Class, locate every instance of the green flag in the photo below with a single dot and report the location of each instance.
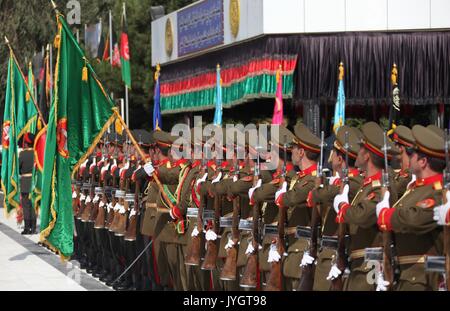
(125, 51)
(10, 156)
(26, 110)
(81, 112)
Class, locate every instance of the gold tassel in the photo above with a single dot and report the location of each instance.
(27, 97)
(57, 41)
(39, 124)
(118, 126)
(84, 76)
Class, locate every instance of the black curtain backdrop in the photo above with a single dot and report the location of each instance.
(422, 58)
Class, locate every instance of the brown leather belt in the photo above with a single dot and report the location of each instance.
(412, 259)
(356, 254)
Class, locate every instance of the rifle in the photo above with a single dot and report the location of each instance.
(230, 267)
(101, 215)
(86, 216)
(387, 256)
(275, 280)
(249, 278)
(337, 284)
(212, 249)
(84, 188)
(307, 279)
(129, 198)
(111, 213)
(130, 235)
(193, 253)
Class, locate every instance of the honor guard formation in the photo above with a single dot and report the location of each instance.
(348, 222)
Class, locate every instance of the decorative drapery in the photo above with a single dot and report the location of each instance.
(310, 70)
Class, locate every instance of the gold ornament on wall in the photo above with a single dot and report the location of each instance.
(235, 17)
(169, 38)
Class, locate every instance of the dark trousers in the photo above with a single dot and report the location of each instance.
(29, 214)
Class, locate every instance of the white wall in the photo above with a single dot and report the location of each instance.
(260, 17)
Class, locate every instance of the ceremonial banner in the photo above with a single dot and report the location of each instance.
(219, 108)
(157, 123)
(339, 112)
(80, 114)
(10, 156)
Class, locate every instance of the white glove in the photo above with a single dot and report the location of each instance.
(117, 207)
(307, 260)
(101, 204)
(114, 164)
(105, 168)
(230, 244)
(334, 178)
(149, 169)
(122, 209)
(341, 198)
(384, 203)
(109, 207)
(413, 180)
(235, 178)
(274, 256)
(381, 283)
(126, 167)
(88, 199)
(201, 180)
(83, 165)
(133, 213)
(281, 191)
(210, 235)
(334, 273)
(252, 190)
(217, 179)
(250, 249)
(441, 211)
(94, 163)
(96, 199)
(82, 197)
(74, 195)
(195, 232)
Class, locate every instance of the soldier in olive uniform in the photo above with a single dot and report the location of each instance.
(324, 196)
(411, 217)
(305, 154)
(360, 214)
(264, 196)
(26, 162)
(404, 141)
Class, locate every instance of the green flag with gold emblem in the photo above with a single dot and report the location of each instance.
(80, 114)
(14, 96)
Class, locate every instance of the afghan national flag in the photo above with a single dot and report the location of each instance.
(125, 52)
(277, 118)
(80, 114)
(157, 123)
(10, 154)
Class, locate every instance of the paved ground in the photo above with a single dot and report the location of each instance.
(26, 266)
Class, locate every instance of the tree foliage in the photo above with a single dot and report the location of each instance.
(30, 25)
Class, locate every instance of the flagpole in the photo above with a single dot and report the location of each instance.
(143, 156)
(110, 39)
(28, 87)
(126, 105)
(50, 55)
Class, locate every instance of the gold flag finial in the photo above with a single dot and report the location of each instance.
(158, 71)
(394, 74)
(218, 66)
(54, 5)
(6, 40)
(341, 71)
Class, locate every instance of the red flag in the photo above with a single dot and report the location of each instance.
(278, 110)
(39, 149)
